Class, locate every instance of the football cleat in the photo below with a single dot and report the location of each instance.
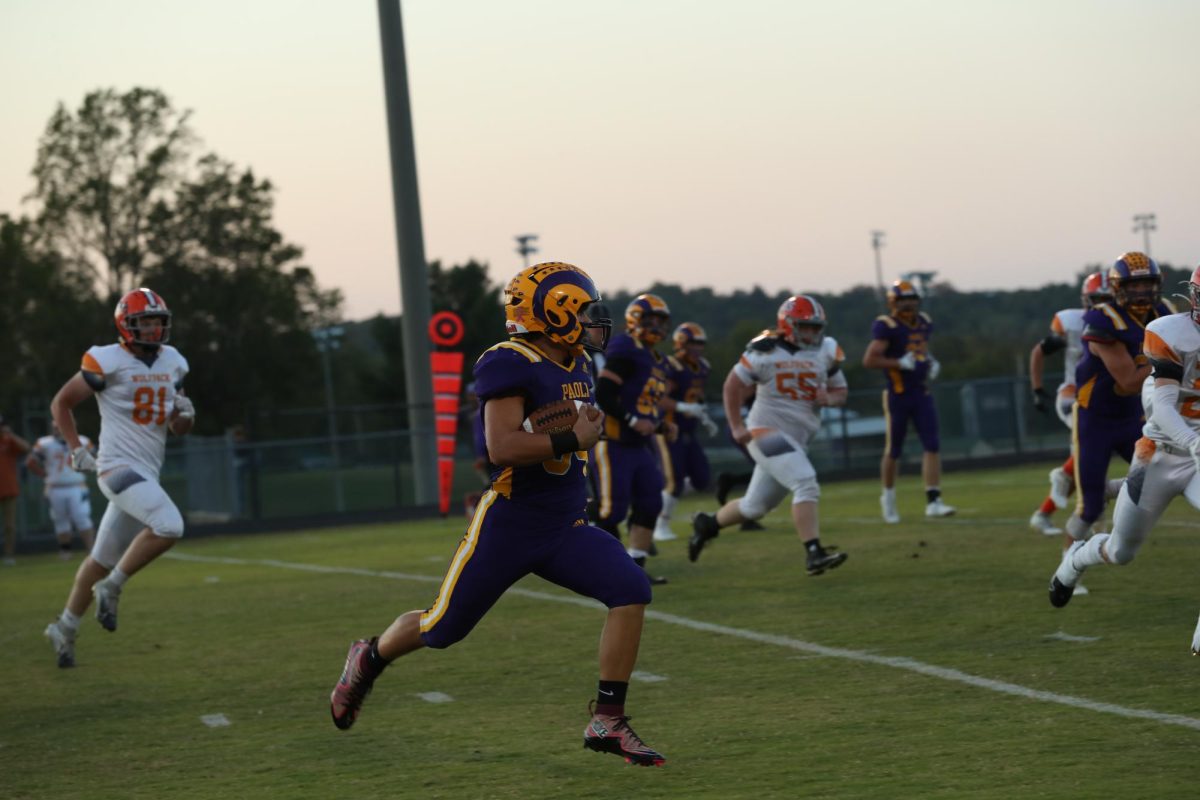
(704, 530)
(63, 640)
(1060, 487)
(107, 596)
(1196, 640)
(1065, 578)
(888, 505)
(938, 509)
(821, 560)
(608, 734)
(663, 532)
(1042, 524)
(752, 525)
(353, 686)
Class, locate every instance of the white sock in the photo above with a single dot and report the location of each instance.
(117, 578)
(636, 553)
(889, 493)
(69, 620)
(1089, 554)
(669, 501)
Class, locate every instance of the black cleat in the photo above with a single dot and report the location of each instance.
(821, 560)
(752, 525)
(654, 580)
(1060, 593)
(704, 530)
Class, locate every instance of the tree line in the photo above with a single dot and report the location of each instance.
(125, 196)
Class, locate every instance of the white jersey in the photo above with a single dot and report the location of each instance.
(1068, 324)
(1173, 345)
(136, 399)
(788, 378)
(56, 460)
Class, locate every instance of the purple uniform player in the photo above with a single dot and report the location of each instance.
(630, 392)
(532, 519)
(1108, 380)
(684, 459)
(900, 347)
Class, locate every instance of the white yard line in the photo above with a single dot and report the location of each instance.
(798, 645)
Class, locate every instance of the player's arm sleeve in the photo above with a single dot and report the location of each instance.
(608, 391)
(1164, 361)
(1053, 343)
(500, 373)
(745, 369)
(1165, 414)
(1098, 326)
(92, 372)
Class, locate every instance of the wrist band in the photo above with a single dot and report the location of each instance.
(563, 443)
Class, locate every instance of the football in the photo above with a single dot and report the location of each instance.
(558, 417)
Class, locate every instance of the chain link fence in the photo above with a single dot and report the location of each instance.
(228, 483)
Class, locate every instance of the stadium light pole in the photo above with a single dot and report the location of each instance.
(877, 245)
(410, 245)
(1144, 223)
(328, 340)
(525, 246)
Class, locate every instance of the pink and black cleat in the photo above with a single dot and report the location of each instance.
(610, 734)
(353, 687)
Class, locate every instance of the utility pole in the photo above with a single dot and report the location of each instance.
(1144, 223)
(525, 246)
(877, 245)
(410, 244)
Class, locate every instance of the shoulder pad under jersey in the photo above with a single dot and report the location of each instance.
(765, 342)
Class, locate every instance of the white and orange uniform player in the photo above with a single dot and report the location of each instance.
(1166, 461)
(137, 385)
(1066, 334)
(794, 369)
(66, 490)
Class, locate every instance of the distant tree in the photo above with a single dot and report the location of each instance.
(122, 200)
(245, 309)
(47, 317)
(101, 173)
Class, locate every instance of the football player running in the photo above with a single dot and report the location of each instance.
(1066, 336)
(684, 458)
(795, 370)
(900, 346)
(1108, 408)
(1165, 459)
(531, 520)
(66, 490)
(137, 383)
(630, 392)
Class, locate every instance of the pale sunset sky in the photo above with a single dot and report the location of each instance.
(725, 144)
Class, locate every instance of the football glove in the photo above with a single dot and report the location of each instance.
(82, 460)
(184, 407)
(690, 409)
(1041, 400)
(935, 368)
(908, 361)
(710, 427)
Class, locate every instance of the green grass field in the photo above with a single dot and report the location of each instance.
(926, 667)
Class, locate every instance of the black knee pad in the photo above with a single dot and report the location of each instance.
(644, 519)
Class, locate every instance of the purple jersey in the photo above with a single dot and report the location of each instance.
(643, 386)
(687, 380)
(903, 338)
(1096, 390)
(518, 368)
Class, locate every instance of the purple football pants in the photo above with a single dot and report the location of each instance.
(507, 541)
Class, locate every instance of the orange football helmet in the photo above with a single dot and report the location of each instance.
(801, 321)
(136, 306)
(1095, 290)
